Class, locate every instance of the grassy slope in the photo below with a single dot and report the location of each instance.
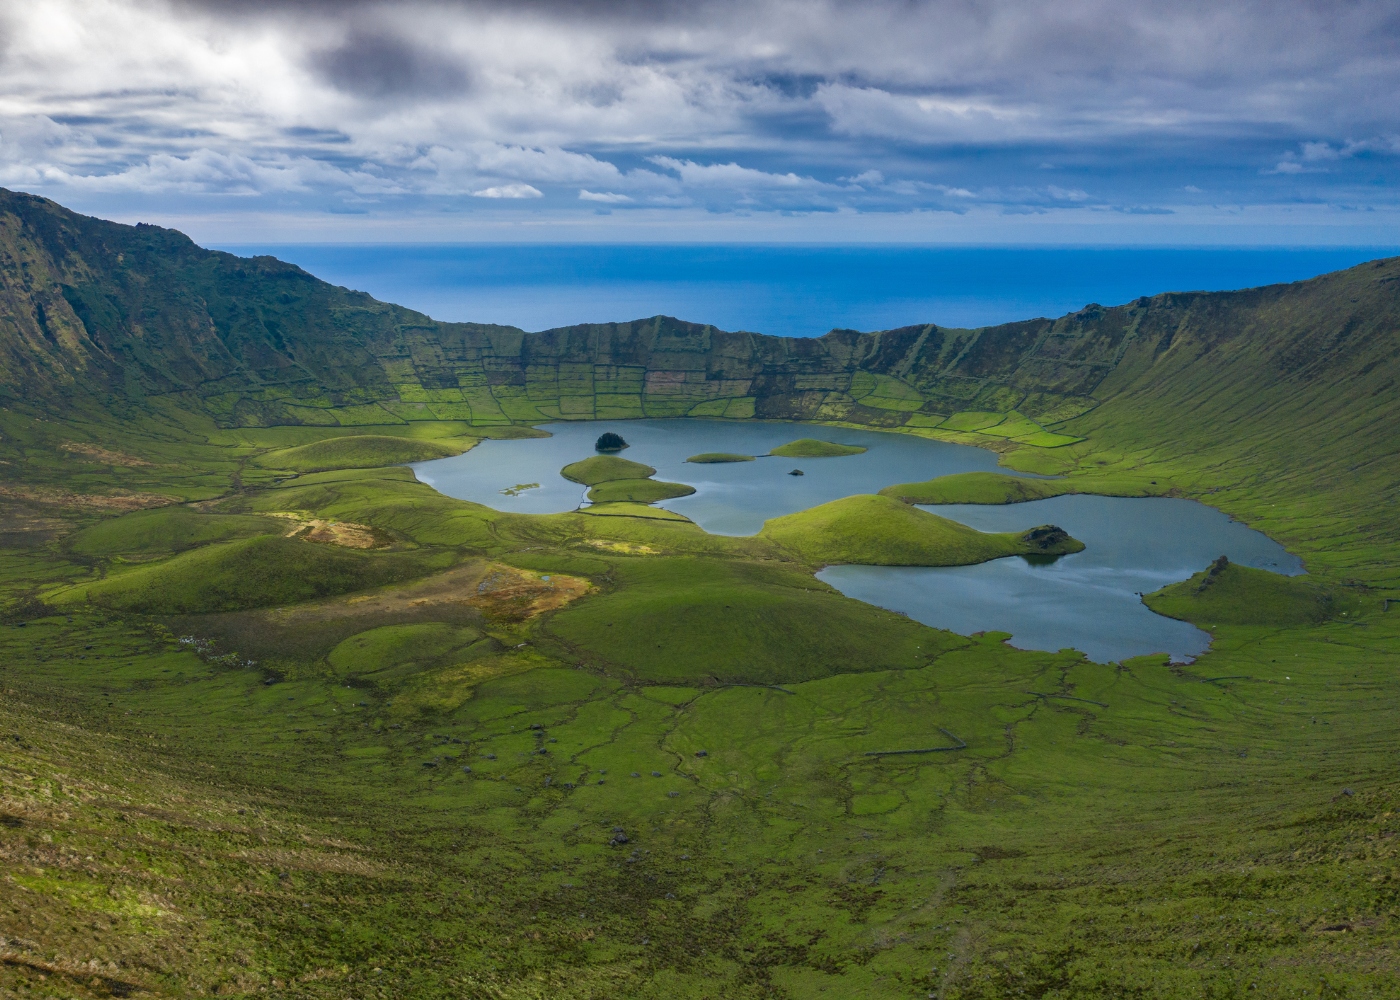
(1239, 595)
(997, 487)
(883, 531)
(637, 491)
(717, 457)
(249, 573)
(359, 451)
(1129, 830)
(812, 448)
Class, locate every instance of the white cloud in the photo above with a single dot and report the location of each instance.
(509, 191)
(731, 176)
(606, 197)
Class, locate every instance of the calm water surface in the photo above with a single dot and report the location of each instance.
(1087, 601)
(790, 291)
(733, 498)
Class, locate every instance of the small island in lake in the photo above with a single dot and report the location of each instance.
(812, 448)
(610, 442)
(715, 457)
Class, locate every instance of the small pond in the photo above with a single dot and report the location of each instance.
(1087, 601)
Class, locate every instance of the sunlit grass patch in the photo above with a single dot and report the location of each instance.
(1230, 594)
(624, 509)
(972, 420)
(1014, 426)
(362, 451)
(251, 573)
(370, 654)
(637, 491)
(602, 468)
(813, 448)
(1047, 439)
(717, 457)
(676, 620)
(165, 530)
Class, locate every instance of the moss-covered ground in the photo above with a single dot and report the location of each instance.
(615, 756)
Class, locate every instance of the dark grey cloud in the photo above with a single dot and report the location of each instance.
(378, 64)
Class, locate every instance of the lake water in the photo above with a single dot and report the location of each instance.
(732, 498)
(785, 290)
(1087, 601)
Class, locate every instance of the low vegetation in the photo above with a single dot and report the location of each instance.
(1229, 594)
(717, 457)
(362, 451)
(881, 531)
(999, 488)
(706, 622)
(638, 491)
(812, 448)
(250, 573)
(172, 529)
(604, 468)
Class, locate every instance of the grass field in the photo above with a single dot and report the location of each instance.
(716, 457)
(812, 448)
(605, 468)
(637, 490)
(1133, 829)
(1239, 595)
(360, 451)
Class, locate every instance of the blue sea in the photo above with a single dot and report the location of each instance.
(798, 291)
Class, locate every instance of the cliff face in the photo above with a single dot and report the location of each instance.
(93, 308)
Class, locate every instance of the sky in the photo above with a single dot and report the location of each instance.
(948, 121)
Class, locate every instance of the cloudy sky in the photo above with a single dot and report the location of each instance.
(964, 120)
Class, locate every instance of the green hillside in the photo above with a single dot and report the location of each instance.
(279, 720)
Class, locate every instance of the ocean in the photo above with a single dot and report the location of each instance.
(797, 291)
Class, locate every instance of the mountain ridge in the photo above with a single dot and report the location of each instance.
(133, 311)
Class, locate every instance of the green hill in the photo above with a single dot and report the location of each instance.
(882, 531)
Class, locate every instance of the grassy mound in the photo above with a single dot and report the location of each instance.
(603, 468)
(251, 573)
(1226, 594)
(978, 487)
(681, 619)
(165, 530)
(391, 652)
(812, 448)
(715, 457)
(881, 531)
(637, 490)
(360, 451)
